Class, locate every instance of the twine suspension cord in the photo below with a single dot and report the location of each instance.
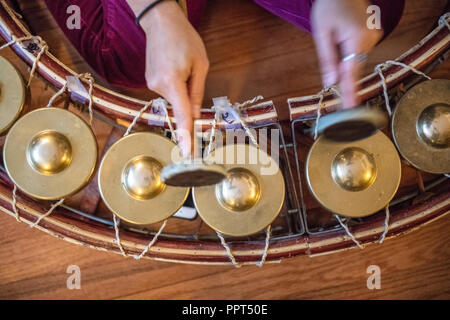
(379, 70)
(386, 224)
(155, 238)
(228, 250)
(321, 94)
(266, 247)
(344, 225)
(56, 95)
(43, 49)
(116, 229)
(443, 20)
(141, 112)
(14, 202)
(53, 207)
(238, 107)
(11, 11)
(88, 77)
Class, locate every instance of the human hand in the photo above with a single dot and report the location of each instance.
(339, 30)
(176, 65)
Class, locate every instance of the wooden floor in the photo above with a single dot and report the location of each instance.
(251, 53)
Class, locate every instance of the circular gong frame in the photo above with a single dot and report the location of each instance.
(264, 211)
(116, 196)
(12, 94)
(374, 196)
(405, 126)
(45, 185)
(65, 224)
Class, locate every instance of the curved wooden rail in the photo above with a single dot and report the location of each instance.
(80, 230)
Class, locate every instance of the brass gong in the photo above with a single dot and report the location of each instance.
(354, 179)
(50, 153)
(130, 179)
(421, 126)
(12, 94)
(249, 198)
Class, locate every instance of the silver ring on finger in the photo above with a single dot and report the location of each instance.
(358, 57)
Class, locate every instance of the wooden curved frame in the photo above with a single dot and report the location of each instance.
(84, 231)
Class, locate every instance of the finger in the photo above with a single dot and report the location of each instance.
(328, 57)
(178, 97)
(197, 87)
(349, 73)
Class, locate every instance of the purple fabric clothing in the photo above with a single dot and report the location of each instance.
(114, 45)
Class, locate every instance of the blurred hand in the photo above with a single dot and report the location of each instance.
(340, 29)
(176, 65)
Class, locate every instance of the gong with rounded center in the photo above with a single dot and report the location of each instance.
(12, 94)
(130, 179)
(421, 126)
(354, 179)
(249, 198)
(50, 153)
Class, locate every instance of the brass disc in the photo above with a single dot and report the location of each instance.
(421, 126)
(12, 94)
(50, 153)
(130, 179)
(352, 124)
(354, 179)
(249, 198)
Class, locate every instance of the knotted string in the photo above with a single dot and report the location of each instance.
(379, 69)
(321, 94)
(266, 248)
(56, 95)
(43, 49)
(386, 224)
(118, 242)
(10, 10)
(14, 202)
(344, 225)
(53, 207)
(88, 77)
(228, 250)
(443, 20)
(238, 107)
(152, 242)
(136, 118)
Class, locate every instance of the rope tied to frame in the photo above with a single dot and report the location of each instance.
(42, 45)
(235, 109)
(321, 94)
(443, 20)
(228, 250)
(155, 238)
(53, 207)
(379, 70)
(386, 224)
(116, 224)
(14, 203)
(88, 77)
(345, 226)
